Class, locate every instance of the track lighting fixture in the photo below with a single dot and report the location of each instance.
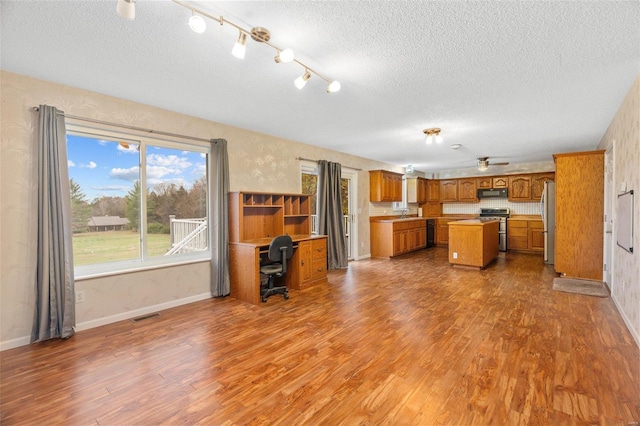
(302, 80)
(432, 134)
(126, 9)
(285, 55)
(197, 23)
(240, 47)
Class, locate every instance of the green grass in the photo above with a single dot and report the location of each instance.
(110, 246)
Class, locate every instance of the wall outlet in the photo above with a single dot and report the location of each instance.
(455, 254)
(80, 297)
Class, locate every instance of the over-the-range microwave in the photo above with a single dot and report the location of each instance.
(492, 193)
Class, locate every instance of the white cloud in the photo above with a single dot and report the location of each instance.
(168, 161)
(160, 172)
(70, 163)
(199, 170)
(91, 165)
(131, 174)
(111, 188)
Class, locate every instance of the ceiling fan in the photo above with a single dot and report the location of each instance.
(483, 163)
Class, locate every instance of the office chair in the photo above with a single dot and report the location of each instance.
(280, 250)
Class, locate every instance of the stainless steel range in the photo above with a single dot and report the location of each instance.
(502, 215)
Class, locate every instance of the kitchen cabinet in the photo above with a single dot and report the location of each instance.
(442, 231)
(485, 182)
(525, 235)
(449, 190)
(385, 186)
(433, 190)
(500, 182)
(579, 214)
(394, 237)
(537, 184)
(519, 188)
(467, 190)
(473, 242)
(417, 190)
(431, 209)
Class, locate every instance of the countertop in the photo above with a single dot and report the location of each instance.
(394, 220)
(481, 222)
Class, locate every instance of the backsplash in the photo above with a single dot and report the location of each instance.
(491, 203)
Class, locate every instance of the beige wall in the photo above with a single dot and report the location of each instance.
(257, 162)
(624, 134)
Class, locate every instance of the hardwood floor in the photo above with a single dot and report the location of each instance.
(405, 341)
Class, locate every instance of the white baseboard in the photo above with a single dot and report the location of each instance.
(364, 256)
(23, 341)
(634, 333)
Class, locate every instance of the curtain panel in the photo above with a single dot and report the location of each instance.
(330, 213)
(55, 299)
(219, 211)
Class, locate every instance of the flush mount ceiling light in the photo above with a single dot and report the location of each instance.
(126, 9)
(455, 146)
(433, 134)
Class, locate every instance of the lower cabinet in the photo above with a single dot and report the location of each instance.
(311, 262)
(442, 232)
(393, 238)
(525, 235)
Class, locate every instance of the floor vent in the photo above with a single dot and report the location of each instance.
(144, 317)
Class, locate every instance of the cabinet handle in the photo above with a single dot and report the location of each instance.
(302, 262)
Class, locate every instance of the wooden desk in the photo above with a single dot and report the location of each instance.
(307, 266)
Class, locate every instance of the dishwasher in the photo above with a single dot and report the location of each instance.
(431, 232)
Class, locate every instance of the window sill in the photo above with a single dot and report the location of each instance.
(138, 267)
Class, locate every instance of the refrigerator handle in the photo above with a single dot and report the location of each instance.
(542, 203)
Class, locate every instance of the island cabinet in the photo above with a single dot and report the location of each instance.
(394, 237)
(468, 190)
(473, 242)
(579, 214)
(385, 186)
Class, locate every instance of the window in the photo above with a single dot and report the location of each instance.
(398, 206)
(135, 202)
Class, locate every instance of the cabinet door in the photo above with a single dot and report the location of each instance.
(433, 192)
(537, 184)
(517, 235)
(520, 188)
(431, 209)
(536, 235)
(442, 232)
(485, 182)
(305, 259)
(423, 190)
(467, 190)
(449, 190)
(500, 182)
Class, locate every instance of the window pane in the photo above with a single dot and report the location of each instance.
(176, 201)
(105, 209)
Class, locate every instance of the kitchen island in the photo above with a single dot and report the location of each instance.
(473, 242)
(394, 236)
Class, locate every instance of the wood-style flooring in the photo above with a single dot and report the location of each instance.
(405, 341)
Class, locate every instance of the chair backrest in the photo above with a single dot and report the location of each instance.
(278, 245)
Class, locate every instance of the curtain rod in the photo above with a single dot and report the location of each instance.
(125, 126)
(315, 161)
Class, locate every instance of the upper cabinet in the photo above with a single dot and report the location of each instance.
(528, 187)
(448, 190)
(537, 184)
(500, 182)
(417, 189)
(433, 190)
(485, 182)
(467, 190)
(385, 186)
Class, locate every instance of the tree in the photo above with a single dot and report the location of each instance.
(132, 200)
(109, 206)
(80, 209)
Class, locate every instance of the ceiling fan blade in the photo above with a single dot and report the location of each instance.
(499, 164)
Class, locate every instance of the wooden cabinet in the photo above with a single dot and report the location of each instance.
(537, 184)
(393, 238)
(417, 190)
(433, 190)
(525, 235)
(442, 231)
(467, 190)
(500, 182)
(312, 261)
(519, 188)
(579, 214)
(485, 182)
(449, 190)
(431, 209)
(385, 186)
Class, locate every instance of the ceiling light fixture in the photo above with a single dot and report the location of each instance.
(126, 9)
(432, 134)
(302, 80)
(197, 23)
(483, 164)
(240, 48)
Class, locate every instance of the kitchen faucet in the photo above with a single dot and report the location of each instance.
(404, 214)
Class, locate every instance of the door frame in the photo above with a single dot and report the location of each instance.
(609, 194)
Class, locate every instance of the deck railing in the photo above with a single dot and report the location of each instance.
(188, 235)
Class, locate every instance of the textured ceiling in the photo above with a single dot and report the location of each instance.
(514, 81)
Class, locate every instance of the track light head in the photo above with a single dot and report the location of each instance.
(240, 47)
(285, 55)
(302, 80)
(197, 24)
(334, 86)
(126, 9)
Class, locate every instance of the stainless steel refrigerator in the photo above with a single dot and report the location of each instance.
(548, 212)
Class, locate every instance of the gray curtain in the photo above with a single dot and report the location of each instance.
(219, 211)
(330, 213)
(55, 314)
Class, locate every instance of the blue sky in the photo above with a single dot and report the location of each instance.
(107, 168)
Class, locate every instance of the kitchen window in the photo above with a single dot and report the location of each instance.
(136, 202)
